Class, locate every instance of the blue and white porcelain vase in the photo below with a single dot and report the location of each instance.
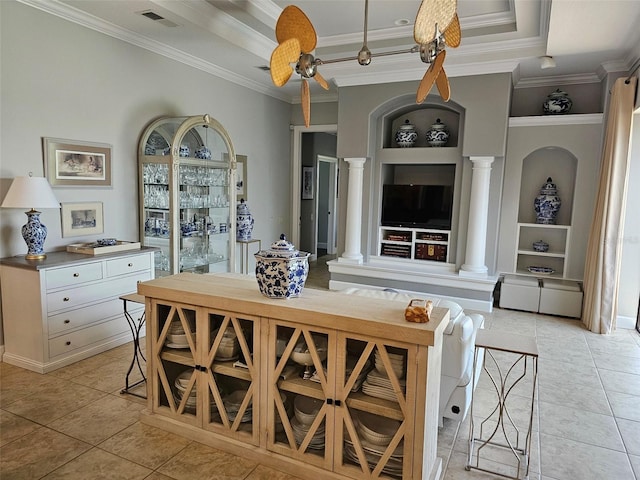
(438, 134)
(406, 135)
(557, 103)
(34, 234)
(244, 222)
(547, 203)
(282, 270)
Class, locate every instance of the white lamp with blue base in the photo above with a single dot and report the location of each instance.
(32, 192)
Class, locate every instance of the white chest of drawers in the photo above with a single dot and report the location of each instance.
(66, 307)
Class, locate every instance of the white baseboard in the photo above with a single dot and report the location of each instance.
(628, 323)
(1, 352)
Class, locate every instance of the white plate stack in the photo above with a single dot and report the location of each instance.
(375, 433)
(305, 410)
(378, 385)
(229, 346)
(180, 389)
(397, 363)
(176, 336)
(232, 403)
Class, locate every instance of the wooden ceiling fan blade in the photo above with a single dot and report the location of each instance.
(430, 77)
(442, 82)
(320, 79)
(281, 58)
(293, 23)
(305, 101)
(430, 14)
(453, 33)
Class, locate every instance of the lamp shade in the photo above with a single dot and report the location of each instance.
(30, 192)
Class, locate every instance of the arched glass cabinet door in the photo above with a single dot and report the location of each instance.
(187, 195)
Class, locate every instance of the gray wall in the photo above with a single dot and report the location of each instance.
(63, 80)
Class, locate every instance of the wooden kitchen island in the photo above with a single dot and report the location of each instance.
(327, 385)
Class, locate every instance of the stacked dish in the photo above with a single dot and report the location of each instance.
(378, 385)
(397, 363)
(350, 365)
(229, 346)
(232, 403)
(181, 389)
(305, 410)
(301, 353)
(375, 433)
(176, 336)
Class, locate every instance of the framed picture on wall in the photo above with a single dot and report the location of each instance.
(76, 163)
(307, 183)
(82, 219)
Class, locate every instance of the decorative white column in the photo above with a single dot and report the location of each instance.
(353, 229)
(478, 211)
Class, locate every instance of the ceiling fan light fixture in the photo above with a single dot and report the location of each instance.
(547, 62)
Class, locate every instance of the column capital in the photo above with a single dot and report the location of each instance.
(355, 161)
(481, 160)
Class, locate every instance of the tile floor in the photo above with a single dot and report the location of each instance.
(74, 423)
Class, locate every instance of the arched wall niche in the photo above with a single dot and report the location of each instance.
(551, 161)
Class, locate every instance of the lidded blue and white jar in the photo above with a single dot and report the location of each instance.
(282, 270)
(556, 103)
(406, 135)
(438, 134)
(547, 203)
(244, 221)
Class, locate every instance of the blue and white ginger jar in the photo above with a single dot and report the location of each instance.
(406, 135)
(556, 103)
(438, 134)
(282, 270)
(185, 151)
(244, 222)
(203, 153)
(547, 203)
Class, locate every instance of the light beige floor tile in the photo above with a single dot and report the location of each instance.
(8, 369)
(265, 473)
(560, 373)
(37, 454)
(99, 465)
(98, 420)
(565, 459)
(591, 399)
(635, 464)
(109, 377)
(624, 405)
(54, 400)
(200, 462)
(13, 427)
(630, 432)
(456, 469)
(618, 363)
(20, 384)
(145, 445)
(616, 348)
(620, 382)
(157, 476)
(579, 425)
(87, 365)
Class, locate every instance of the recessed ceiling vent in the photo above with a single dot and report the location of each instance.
(158, 18)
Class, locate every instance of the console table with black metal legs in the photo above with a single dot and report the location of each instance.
(504, 378)
(135, 326)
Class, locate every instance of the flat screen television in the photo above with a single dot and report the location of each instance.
(417, 206)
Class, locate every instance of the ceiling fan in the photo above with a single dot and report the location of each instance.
(297, 39)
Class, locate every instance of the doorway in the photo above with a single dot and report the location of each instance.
(327, 188)
(310, 237)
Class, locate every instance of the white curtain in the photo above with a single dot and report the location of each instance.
(602, 269)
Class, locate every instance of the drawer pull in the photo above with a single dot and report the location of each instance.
(76, 275)
(67, 321)
(67, 343)
(65, 299)
(130, 265)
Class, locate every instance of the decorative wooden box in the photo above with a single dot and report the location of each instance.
(93, 248)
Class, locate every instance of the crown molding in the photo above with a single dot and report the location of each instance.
(78, 17)
(551, 81)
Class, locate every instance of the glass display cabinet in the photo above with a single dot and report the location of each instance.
(187, 169)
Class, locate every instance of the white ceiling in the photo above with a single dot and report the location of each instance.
(234, 38)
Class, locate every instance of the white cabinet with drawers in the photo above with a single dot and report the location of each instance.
(66, 307)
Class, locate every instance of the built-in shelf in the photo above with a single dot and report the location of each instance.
(549, 120)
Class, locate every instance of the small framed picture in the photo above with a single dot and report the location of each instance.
(307, 183)
(82, 219)
(75, 163)
(241, 177)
